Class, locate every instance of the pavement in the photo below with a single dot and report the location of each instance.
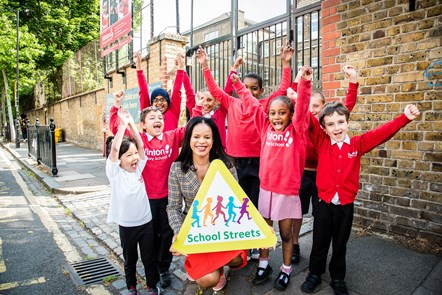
(375, 264)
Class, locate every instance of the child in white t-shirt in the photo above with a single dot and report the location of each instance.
(129, 206)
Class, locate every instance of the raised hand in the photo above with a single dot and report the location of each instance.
(118, 98)
(411, 111)
(125, 117)
(350, 73)
(201, 57)
(234, 78)
(199, 99)
(180, 61)
(292, 94)
(238, 62)
(286, 53)
(307, 73)
(137, 60)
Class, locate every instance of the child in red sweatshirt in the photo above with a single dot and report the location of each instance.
(339, 161)
(282, 161)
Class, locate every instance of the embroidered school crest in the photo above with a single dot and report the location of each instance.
(352, 155)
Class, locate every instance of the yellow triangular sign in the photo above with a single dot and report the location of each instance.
(222, 218)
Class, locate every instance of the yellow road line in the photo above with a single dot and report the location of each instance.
(2, 262)
(7, 286)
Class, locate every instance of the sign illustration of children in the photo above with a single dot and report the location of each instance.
(230, 210)
(219, 209)
(243, 210)
(195, 211)
(208, 211)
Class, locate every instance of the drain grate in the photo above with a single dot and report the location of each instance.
(92, 271)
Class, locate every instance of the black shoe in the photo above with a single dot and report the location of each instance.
(295, 254)
(282, 281)
(310, 283)
(165, 279)
(259, 279)
(339, 287)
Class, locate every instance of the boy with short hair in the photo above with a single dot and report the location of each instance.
(338, 183)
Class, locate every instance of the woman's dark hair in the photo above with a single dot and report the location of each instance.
(256, 77)
(125, 144)
(330, 108)
(217, 151)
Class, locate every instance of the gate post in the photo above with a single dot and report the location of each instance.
(37, 137)
(53, 152)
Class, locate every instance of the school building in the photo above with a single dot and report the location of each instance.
(395, 45)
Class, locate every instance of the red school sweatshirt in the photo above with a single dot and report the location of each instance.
(160, 154)
(243, 140)
(339, 169)
(282, 153)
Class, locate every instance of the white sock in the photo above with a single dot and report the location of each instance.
(263, 264)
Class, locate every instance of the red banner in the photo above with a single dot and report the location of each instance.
(116, 22)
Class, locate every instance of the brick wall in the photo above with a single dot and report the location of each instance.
(396, 51)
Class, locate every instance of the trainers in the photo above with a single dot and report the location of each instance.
(165, 279)
(310, 283)
(295, 254)
(261, 278)
(222, 282)
(153, 291)
(254, 254)
(132, 291)
(282, 281)
(339, 287)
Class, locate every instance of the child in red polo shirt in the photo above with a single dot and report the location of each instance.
(339, 158)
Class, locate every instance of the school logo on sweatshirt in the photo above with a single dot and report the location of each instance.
(352, 155)
(278, 139)
(158, 154)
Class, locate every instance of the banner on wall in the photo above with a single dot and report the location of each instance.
(115, 22)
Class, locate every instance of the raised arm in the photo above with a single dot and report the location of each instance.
(302, 117)
(190, 93)
(198, 108)
(381, 134)
(233, 70)
(352, 92)
(175, 100)
(142, 84)
(214, 89)
(286, 53)
(118, 139)
(114, 120)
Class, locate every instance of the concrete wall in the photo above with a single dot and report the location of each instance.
(392, 48)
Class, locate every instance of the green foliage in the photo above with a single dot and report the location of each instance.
(51, 32)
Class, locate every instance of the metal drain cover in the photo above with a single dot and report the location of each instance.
(92, 271)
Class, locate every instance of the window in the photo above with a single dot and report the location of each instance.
(299, 27)
(315, 27)
(210, 36)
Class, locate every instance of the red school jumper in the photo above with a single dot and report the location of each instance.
(243, 140)
(282, 153)
(338, 169)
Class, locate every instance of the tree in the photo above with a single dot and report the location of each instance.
(30, 50)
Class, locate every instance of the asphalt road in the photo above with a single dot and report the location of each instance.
(31, 262)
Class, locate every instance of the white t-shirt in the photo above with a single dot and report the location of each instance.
(129, 205)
